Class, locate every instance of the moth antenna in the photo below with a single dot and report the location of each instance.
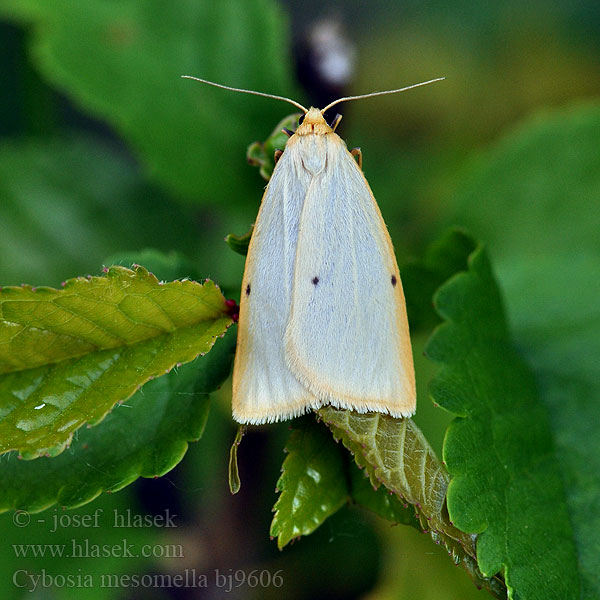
(253, 92)
(410, 87)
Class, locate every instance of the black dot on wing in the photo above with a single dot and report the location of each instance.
(315, 280)
(394, 280)
(248, 290)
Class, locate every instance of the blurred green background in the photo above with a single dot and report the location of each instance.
(105, 151)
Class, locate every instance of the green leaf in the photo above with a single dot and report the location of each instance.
(144, 437)
(261, 154)
(122, 62)
(239, 243)
(534, 196)
(381, 501)
(558, 330)
(536, 192)
(313, 482)
(505, 484)
(234, 473)
(165, 266)
(395, 453)
(67, 356)
(66, 204)
(420, 279)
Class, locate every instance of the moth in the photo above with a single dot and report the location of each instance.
(322, 312)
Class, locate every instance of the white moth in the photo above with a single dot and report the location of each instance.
(322, 311)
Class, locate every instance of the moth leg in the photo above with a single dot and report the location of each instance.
(277, 155)
(357, 156)
(336, 121)
(288, 132)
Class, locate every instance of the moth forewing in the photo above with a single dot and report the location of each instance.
(264, 390)
(347, 338)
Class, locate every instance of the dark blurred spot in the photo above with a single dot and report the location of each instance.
(324, 60)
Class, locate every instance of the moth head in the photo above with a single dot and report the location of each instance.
(313, 122)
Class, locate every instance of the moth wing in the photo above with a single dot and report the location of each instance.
(264, 390)
(347, 339)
